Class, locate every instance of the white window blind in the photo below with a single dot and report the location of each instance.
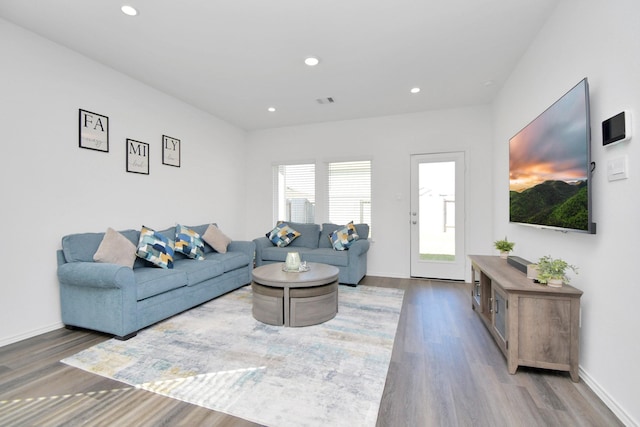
(349, 192)
(294, 192)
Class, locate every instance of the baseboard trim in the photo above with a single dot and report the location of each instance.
(390, 275)
(30, 334)
(607, 399)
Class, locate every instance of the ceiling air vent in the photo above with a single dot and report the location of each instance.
(328, 100)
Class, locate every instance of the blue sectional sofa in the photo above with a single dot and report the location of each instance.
(122, 300)
(314, 245)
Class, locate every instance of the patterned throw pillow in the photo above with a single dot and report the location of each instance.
(216, 239)
(344, 237)
(282, 235)
(189, 242)
(155, 248)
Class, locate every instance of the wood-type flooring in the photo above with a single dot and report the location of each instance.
(446, 370)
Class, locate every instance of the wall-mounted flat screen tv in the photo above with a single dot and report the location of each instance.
(550, 166)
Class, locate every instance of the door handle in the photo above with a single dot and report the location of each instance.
(414, 222)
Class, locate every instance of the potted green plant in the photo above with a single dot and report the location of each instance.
(504, 246)
(553, 271)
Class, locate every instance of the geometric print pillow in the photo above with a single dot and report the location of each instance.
(282, 235)
(189, 242)
(155, 248)
(343, 237)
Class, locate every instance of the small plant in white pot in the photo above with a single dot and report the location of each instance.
(553, 272)
(504, 246)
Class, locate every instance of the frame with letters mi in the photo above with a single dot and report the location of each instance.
(137, 157)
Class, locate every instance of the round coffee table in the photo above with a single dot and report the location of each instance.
(295, 298)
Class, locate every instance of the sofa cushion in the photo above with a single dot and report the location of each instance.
(199, 271)
(189, 243)
(308, 234)
(153, 281)
(231, 260)
(155, 248)
(216, 239)
(116, 249)
(282, 235)
(343, 237)
(328, 256)
(275, 253)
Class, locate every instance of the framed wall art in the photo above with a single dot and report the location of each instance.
(170, 151)
(94, 131)
(137, 157)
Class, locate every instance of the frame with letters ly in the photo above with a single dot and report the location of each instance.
(170, 151)
(137, 157)
(94, 131)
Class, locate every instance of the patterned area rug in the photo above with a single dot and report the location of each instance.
(219, 357)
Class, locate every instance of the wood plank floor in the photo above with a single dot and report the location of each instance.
(445, 370)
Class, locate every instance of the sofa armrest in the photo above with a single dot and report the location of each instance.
(359, 247)
(261, 243)
(96, 275)
(248, 248)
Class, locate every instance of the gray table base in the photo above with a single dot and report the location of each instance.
(295, 306)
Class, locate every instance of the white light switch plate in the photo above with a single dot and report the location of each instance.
(617, 169)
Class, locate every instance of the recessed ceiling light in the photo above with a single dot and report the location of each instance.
(312, 61)
(271, 109)
(415, 90)
(129, 10)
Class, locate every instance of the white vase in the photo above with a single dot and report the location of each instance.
(292, 262)
(554, 283)
(504, 254)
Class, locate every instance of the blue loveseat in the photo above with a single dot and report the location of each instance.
(121, 300)
(314, 245)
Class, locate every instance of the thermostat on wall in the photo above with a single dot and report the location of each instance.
(616, 129)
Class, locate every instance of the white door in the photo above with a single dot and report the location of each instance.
(437, 216)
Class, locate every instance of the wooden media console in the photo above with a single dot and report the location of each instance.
(533, 324)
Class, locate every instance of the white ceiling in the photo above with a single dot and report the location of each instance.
(235, 58)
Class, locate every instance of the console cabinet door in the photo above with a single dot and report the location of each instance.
(476, 292)
(499, 309)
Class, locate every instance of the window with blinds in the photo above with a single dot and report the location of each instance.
(294, 192)
(349, 192)
(347, 186)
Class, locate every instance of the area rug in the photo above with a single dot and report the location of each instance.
(219, 357)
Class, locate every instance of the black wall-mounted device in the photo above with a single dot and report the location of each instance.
(616, 129)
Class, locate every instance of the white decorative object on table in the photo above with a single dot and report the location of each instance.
(292, 262)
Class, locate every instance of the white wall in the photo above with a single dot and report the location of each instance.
(388, 142)
(50, 187)
(598, 40)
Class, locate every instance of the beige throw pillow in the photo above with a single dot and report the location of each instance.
(115, 249)
(216, 239)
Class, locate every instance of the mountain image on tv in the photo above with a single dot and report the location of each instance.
(552, 203)
(549, 166)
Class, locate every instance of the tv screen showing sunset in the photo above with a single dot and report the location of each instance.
(548, 166)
